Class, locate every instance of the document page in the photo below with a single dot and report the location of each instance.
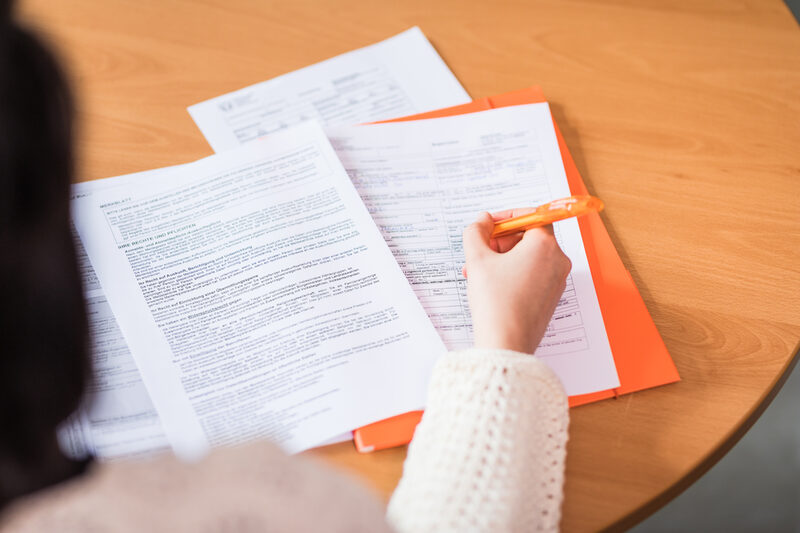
(424, 181)
(259, 298)
(118, 419)
(396, 77)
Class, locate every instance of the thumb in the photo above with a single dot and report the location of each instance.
(476, 237)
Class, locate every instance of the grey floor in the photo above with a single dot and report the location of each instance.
(755, 487)
(794, 7)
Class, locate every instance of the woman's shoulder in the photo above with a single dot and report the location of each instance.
(248, 488)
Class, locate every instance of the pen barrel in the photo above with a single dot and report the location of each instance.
(522, 223)
(571, 206)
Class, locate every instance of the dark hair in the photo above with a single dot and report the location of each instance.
(43, 326)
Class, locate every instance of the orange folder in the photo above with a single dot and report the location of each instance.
(640, 355)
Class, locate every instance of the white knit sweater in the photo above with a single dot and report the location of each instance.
(489, 452)
(487, 456)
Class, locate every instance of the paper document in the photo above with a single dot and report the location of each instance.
(399, 76)
(424, 181)
(118, 419)
(259, 298)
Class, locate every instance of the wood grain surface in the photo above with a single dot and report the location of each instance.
(683, 116)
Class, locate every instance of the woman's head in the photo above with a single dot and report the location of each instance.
(43, 328)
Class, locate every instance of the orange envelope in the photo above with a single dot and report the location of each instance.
(640, 355)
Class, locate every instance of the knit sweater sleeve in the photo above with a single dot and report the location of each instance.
(489, 452)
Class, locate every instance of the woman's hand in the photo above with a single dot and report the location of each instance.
(514, 283)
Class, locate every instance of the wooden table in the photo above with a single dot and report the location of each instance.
(683, 116)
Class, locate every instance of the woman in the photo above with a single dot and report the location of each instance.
(488, 454)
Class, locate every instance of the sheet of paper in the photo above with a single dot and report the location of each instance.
(118, 419)
(396, 77)
(424, 181)
(259, 298)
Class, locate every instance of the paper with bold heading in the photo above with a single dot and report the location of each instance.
(259, 298)
(423, 181)
(399, 76)
(117, 418)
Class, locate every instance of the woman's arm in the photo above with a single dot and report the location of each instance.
(489, 452)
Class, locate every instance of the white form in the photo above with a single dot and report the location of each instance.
(400, 76)
(424, 181)
(117, 419)
(259, 298)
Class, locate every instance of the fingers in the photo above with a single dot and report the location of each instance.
(506, 242)
(540, 241)
(476, 237)
(540, 232)
(537, 238)
(548, 229)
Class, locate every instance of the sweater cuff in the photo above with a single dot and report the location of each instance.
(471, 359)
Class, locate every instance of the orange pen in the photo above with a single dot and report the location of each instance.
(571, 206)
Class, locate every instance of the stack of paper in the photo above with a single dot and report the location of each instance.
(302, 282)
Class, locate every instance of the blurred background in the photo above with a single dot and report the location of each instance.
(794, 5)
